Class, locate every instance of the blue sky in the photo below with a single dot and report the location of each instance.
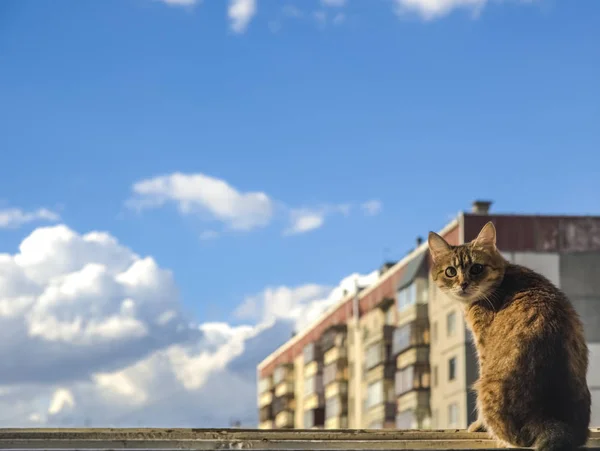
(319, 106)
(422, 115)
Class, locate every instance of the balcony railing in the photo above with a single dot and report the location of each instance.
(334, 336)
(414, 377)
(410, 335)
(256, 440)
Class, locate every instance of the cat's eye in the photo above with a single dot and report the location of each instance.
(476, 269)
(450, 271)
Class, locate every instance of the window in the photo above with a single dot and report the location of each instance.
(332, 407)
(412, 377)
(264, 385)
(401, 339)
(452, 369)
(404, 380)
(309, 419)
(309, 386)
(405, 420)
(374, 394)
(279, 375)
(407, 296)
(330, 373)
(453, 415)
(412, 334)
(373, 355)
(434, 332)
(451, 323)
(309, 352)
(435, 376)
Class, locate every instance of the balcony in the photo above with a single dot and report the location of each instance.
(385, 303)
(377, 354)
(410, 335)
(285, 388)
(265, 413)
(265, 384)
(412, 378)
(413, 356)
(335, 336)
(333, 372)
(336, 423)
(413, 418)
(337, 353)
(311, 353)
(282, 405)
(382, 413)
(284, 372)
(266, 424)
(414, 312)
(265, 399)
(384, 333)
(284, 420)
(338, 388)
(336, 406)
(314, 418)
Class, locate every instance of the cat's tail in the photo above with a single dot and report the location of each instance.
(560, 437)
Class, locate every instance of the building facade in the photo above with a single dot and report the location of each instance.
(397, 354)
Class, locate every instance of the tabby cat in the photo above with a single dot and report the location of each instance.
(533, 358)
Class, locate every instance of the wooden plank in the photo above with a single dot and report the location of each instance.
(239, 439)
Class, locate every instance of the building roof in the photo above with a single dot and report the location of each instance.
(411, 270)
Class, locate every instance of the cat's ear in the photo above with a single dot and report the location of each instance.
(487, 236)
(438, 247)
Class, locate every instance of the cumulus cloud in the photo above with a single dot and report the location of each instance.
(334, 3)
(180, 2)
(240, 14)
(432, 9)
(93, 334)
(203, 194)
(303, 220)
(372, 207)
(214, 199)
(15, 217)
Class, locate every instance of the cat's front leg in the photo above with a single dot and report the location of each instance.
(477, 426)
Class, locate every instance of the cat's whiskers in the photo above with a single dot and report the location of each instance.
(482, 294)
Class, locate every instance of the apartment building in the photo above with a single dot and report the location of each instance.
(397, 354)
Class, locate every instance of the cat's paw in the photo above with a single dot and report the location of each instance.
(477, 426)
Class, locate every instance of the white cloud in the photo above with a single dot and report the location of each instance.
(214, 199)
(240, 14)
(372, 207)
(15, 217)
(305, 220)
(339, 19)
(432, 9)
(209, 235)
(202, 194)
(61, 400)
(95, 336)
(180, 2)
(334, 3)
(320, 17)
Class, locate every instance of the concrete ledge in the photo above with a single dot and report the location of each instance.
(240, 439)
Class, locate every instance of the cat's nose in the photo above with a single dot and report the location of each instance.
(464, 285)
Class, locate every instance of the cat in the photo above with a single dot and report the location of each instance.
(532, 354)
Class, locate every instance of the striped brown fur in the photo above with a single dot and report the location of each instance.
(533, 358)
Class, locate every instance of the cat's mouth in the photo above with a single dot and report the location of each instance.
(463, 294)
